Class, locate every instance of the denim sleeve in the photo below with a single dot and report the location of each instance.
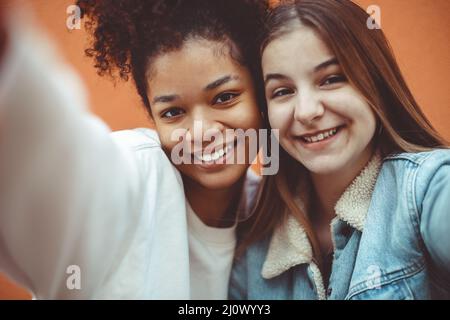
(435, 216)
(238, 279)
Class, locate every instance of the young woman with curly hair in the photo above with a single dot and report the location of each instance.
(115, 207)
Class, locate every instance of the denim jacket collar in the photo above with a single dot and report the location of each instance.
(289, 245)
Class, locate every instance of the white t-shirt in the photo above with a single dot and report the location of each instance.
(211, 250)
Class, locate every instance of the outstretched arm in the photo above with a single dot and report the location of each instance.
(70, 195)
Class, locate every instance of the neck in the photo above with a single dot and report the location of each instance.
(216, 208)
(330, 187)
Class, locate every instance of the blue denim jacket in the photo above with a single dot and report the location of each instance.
(391, 238)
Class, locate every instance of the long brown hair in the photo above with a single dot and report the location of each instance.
(368, 62)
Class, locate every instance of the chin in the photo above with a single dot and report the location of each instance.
(324, 166)
(324, 170)
(222, 179)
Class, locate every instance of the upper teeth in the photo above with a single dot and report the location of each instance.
(214, 156)
(321, 136)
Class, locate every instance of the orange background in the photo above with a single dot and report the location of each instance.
(417, 29)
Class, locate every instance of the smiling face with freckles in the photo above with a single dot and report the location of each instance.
(324, 122)
(201, 83)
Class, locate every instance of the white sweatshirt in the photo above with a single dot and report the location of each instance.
(70, 194)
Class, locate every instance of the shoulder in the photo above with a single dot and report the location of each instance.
(419, 166)
(146, 151)
(139, 138)
(424, 164)
(424, 159)
(426, 172)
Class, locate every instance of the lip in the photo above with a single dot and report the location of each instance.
(219, 163)
(315, 133)
(319, 145)
(212, 149)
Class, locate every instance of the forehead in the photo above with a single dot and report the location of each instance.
(197, 63)
(302, 46)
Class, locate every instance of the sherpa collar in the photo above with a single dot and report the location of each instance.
(289, 245)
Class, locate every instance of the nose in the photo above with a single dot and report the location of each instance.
(205, 129)
(308, 108)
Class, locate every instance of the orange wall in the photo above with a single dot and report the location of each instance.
(418, 31)
(419, 34)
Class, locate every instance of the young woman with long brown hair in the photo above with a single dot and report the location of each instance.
(359, 208)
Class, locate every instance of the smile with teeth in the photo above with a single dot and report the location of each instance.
(320, 136)
(216, 155)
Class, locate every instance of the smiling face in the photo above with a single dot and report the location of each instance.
(324, 123)
(202, 84)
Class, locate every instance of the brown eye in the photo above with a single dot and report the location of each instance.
(172, 113)
(282, 92)
(333, 80)
(225, 97)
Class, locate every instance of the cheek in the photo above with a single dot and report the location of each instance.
(370, 122)
(354, 107)
(246, 116)
(248, 119)
(365, 119)
(165, 136)
(364, 122)
(279, 118)
(371, 126)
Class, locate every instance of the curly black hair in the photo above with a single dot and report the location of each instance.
(127, 34)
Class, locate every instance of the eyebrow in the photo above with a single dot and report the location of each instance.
(213, 85)
(323, 65)
(219, 82)
(166, 98)
(274, 76)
